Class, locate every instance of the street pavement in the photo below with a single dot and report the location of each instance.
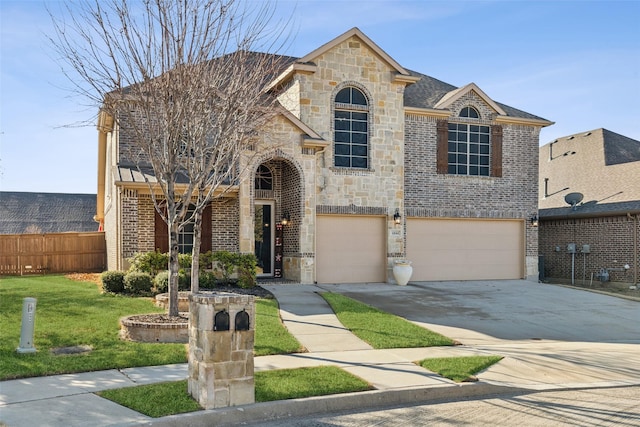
(551, 337)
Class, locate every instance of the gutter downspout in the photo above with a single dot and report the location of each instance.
(315, 215)
(635, 250)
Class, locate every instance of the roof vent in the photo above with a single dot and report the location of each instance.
(571, 137)
(587, 134)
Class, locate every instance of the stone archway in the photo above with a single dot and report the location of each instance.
(277, 193)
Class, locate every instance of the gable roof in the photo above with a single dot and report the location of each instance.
(602, 165)
(23, 212)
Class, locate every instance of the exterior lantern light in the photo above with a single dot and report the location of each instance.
(397, 217)
(285, 218)
(534, 220)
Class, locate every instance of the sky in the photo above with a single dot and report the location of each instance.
(573, 62)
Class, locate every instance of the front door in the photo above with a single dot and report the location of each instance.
(264, 237)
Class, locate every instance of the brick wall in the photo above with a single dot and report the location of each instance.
(611, 242)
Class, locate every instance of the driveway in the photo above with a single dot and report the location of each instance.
(551, 336)
(507, 309)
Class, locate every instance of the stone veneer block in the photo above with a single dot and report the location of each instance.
(220, 362)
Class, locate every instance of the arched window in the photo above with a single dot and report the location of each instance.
(351, 129)
(264, 178)
(469, 112)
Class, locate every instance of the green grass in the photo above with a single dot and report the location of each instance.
(155, 400)
(459, 369)
(306, 382)
(162, 399)
(71, 313)
(271, 337)
(379, 329)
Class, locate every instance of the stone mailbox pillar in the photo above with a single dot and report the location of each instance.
(221, 336)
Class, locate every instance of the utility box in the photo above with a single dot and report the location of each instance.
(571, 248)
(586, 249)
(28, 326)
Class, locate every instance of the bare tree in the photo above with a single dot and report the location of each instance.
(183, 77)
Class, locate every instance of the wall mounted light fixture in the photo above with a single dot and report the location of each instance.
(534, 220)
(396, 216)
(285, 218)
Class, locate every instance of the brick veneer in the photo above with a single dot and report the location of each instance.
(611, 242)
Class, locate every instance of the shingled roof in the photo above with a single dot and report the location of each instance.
(22, 212)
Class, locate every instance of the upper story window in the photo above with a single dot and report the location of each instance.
(351, 129)
(468, 148)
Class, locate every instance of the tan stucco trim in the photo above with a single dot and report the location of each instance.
(441, 114)
(287, 74)
(523, 121)
(104, 126)
(451, 97)
(401, 78)
(314, 143)
(300, 124)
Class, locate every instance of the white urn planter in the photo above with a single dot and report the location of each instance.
(402, 271)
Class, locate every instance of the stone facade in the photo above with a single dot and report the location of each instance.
(297, 147)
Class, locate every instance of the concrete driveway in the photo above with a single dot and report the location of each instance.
(508, 309)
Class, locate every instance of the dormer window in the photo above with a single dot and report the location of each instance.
(351, 129)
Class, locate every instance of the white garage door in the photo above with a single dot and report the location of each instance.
(455, 249)
(350, 249)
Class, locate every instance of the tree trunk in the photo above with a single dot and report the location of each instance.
(173, 269)
(195, 254)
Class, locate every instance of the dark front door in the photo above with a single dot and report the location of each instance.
(264, 233)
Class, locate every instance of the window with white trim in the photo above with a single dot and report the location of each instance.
(468, 146)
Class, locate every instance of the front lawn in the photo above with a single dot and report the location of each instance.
(72, 313)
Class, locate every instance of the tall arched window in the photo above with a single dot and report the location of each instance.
(469, 146)
(351, 129)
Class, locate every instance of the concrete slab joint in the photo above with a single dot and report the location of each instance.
(221, 349)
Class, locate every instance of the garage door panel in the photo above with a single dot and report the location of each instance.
(450, 249)
(350, 249)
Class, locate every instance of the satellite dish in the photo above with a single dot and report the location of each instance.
(573, 199)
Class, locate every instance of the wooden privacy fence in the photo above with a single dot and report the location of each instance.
(22, 254)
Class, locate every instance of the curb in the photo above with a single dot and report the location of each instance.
(294, 408)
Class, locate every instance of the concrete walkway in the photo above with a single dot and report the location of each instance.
(68, 400)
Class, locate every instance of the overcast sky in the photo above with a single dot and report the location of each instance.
(576, 63)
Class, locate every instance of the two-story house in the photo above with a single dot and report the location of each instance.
(373, 163)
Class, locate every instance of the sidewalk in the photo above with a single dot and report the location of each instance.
(68, 400)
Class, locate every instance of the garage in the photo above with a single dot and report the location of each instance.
(465, 249)
(350, 249)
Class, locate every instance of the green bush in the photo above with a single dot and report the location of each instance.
(207, 280)
(225, 262)
(113, 281)
(184, 261)
(184, 280)
(247, 270)
(149, 262)
(206, 260)
(137, 282)
(161, 282)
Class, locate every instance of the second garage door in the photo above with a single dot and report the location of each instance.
(461, 249)
(350, 249)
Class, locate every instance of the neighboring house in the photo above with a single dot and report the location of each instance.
(372, 163)
(599, 171)
(38, 213)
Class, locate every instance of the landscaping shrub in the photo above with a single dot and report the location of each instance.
(113, 281)
(184, 280)
(184, 261)
(137, 282)
(207, 280)
(224, 264)
(149, 262)
(161, 282)
(206, 260)
(246, 270)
